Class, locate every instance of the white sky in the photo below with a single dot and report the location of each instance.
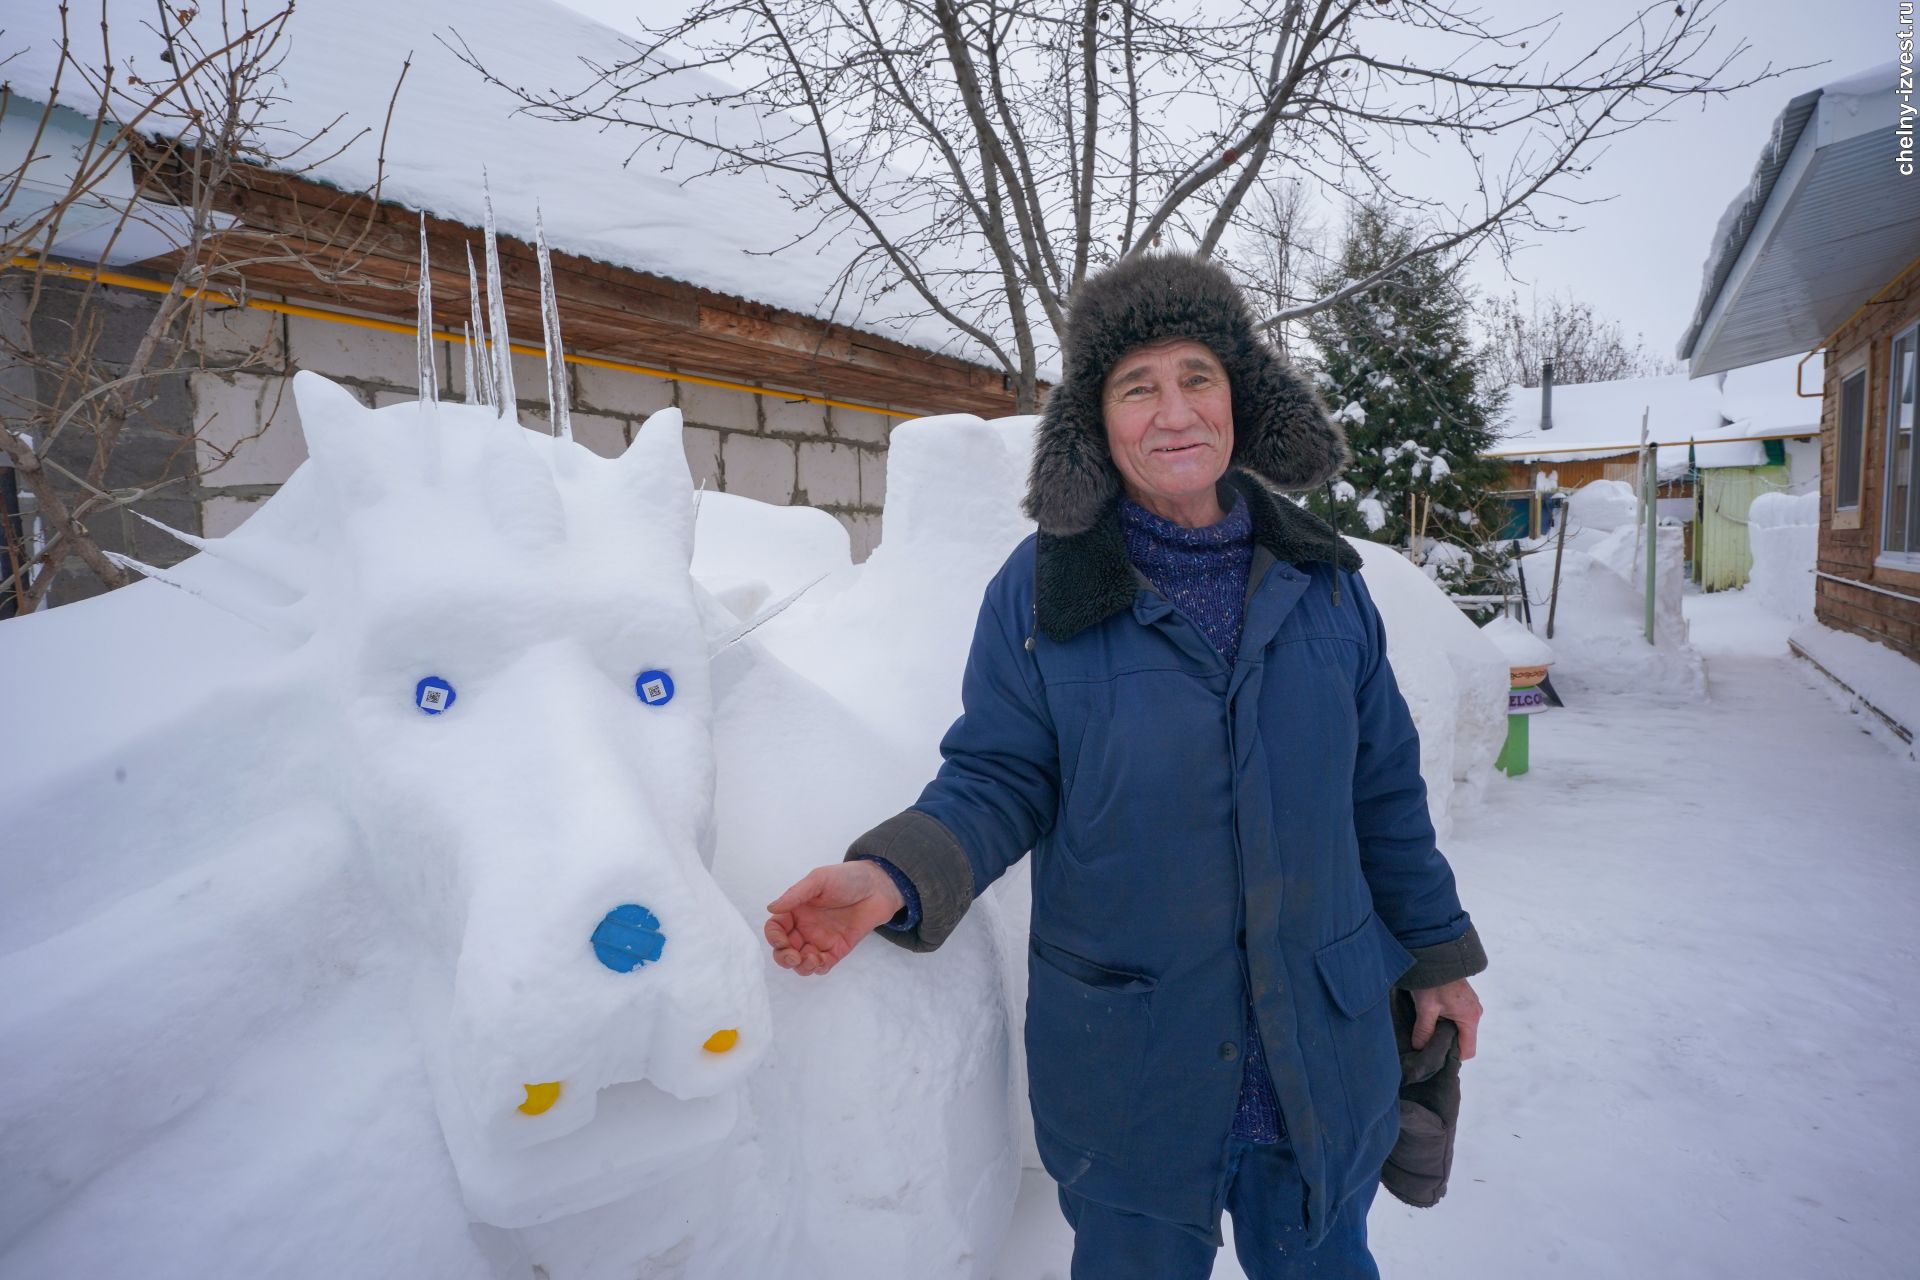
(1638, 257)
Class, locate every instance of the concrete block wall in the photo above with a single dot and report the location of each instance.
(219, 433)
(769, 447)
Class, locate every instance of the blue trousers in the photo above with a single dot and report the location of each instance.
(1267, 1201)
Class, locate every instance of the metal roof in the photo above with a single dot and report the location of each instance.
(1826, 221)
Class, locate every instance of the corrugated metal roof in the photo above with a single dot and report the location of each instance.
(1826, 223)
(1781, 141)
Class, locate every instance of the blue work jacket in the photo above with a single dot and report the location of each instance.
(1199, 831)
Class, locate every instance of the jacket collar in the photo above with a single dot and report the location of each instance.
(1083, 579)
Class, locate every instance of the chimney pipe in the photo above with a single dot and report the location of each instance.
(1546, 395)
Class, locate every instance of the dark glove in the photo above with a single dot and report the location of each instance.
(1417, 1168)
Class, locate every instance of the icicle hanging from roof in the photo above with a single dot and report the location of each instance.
(428, 377)
(466, 335)
(479, 370)
(557, 394)
(499, 342)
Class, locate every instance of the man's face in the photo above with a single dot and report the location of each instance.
(1169, 419)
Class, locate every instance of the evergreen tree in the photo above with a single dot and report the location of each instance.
(1400, 372)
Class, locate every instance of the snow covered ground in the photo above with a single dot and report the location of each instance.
(1701, 1014)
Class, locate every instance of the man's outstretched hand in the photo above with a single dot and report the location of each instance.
(812, 926)
(1455, 1002)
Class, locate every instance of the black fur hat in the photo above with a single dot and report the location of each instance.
(1281, 431)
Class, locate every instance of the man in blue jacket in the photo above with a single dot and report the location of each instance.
(1178, 699)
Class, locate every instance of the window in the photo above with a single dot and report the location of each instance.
(1900, 525)
(1853, 434)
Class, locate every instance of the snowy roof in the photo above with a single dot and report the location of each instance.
(1602, 419)
(1765, 400)
(1823, 223)
(600, 197)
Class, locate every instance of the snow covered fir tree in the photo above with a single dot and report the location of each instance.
(1399, 369)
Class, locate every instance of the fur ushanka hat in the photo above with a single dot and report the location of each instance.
(1281, 431)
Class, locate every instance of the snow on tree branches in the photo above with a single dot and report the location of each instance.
(1404, 379)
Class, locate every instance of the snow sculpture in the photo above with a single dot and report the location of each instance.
(458, 814)
(396, 914)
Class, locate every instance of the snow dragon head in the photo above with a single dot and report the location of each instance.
(516, 662)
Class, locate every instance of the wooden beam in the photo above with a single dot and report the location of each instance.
(313, 243)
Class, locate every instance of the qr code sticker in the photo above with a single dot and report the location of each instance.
(654, 690)
(433, 699)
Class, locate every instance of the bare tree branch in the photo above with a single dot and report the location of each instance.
(982, 156)
(160, 159)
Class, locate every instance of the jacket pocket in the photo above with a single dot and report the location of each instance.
(1360, 967)
(1358, 971)
(1088, 1028)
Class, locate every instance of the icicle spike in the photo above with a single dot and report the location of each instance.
(266, 566)
(559, 398)
(761, 618)
(479, 369)
(265, 616)
(428, 376)
(498, 339)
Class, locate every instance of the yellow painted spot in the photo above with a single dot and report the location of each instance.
(540, 1097)
(721, 1041)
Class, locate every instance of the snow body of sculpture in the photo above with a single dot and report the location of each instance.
(347, 936)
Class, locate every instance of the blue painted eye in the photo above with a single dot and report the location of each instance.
(433, 695)
(655, 688)
(628, 936)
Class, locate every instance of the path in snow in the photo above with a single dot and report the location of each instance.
(1701, 1015)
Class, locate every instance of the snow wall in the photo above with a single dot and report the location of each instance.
(1784, 533)
(1599, 637)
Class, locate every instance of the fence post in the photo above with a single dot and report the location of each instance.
(1653, 526)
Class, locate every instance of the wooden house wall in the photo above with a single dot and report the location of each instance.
(1572, 472)
(305, 241)
(1849, 543)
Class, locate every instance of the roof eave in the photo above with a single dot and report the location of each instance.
(1738, 263)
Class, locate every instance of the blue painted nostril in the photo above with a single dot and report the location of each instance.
(628, 937)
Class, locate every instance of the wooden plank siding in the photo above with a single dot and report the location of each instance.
(304, 241)
(1572, 472)
(1848, 552)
